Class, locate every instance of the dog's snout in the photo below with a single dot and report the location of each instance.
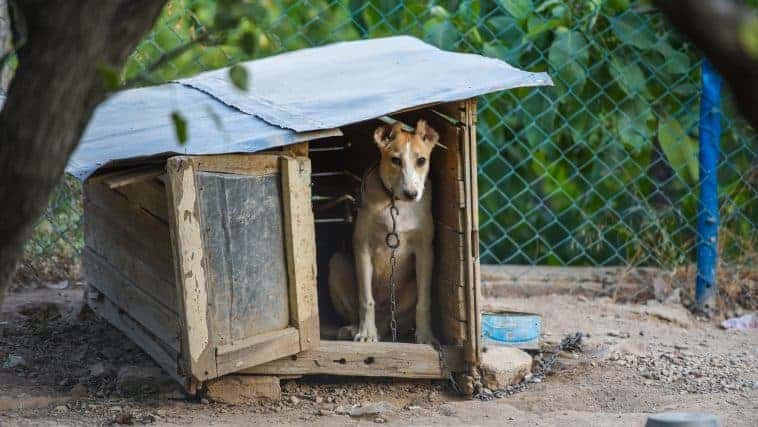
(410, 194)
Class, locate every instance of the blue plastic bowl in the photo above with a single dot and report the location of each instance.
(512, 329)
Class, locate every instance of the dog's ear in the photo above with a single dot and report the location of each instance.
(383, 135)
(427, 134)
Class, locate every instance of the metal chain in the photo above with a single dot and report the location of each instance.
(571, 342)
(393, 242)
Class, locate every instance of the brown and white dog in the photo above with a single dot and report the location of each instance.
(402, 172)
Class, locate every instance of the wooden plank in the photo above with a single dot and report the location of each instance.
(187, 249)
(448, 174)
(131, 176)
(300, 243)
(477, 284)
(149, 195)
(296, 150)
(164, 356)
(153, 274)
(257, 350)
(129, 216)
(383, 359)
(471, 347)
(107, 279)
(243, 164)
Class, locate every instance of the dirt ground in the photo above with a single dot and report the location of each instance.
(60, 368)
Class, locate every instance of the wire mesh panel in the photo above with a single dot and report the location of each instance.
(599, 170)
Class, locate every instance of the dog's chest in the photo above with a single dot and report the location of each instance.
(410, 218)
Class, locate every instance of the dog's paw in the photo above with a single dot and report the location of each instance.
(367, 333)
(425, 337)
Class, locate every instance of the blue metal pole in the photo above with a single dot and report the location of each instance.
(708, 206)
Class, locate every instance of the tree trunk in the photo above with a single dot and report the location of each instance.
(714, 26)
(51, 98)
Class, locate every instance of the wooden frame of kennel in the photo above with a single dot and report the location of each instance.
(143, 232)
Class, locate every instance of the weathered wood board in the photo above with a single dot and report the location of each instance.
(242, 239)
(381, 359)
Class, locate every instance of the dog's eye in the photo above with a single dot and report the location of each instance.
(396, 160)
(421, 161)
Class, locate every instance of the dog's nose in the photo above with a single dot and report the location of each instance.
(410, 194)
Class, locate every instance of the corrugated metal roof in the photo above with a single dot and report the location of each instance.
(310, 90)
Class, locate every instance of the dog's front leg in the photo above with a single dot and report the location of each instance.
(366, 313)
(424, 266)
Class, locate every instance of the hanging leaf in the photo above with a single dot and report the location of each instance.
(238, 75)
(633, 29)
(680, 150)
(180, 127)
(629, 76)
(442, 34)
(519, 9)
(569, 56)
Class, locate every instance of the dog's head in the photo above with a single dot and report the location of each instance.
(405, 158)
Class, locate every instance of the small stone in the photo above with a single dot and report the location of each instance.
(380, 420)
(205, 401)
(324, 412)
(98, 370)
(294, 400)
(371, 409)
(14, 361)
(79, 391)
(319, 400)
(447, 410)
(124, 418)
(61, 408)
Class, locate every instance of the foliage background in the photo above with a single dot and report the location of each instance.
(600, 169)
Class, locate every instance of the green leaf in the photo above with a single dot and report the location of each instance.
(506, 30)
(519, 9)
(110, 77)
(676, 62)
(247, 43)
(633, 29)
(238, 75)
(748, 35)
(442, 34)
(680, 150)
(569, 56)
(180, 127)
(629, 76)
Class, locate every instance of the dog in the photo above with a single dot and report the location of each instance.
(401, 173)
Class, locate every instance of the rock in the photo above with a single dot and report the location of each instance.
(14, 361)
(504, 366)
(671, 313)
(380, 420)
(447, 410)
(61, 409)
(99, 370)
(143, 380)
(205, 401)
(239, 389)
(342, 410)
(324, 412)
(371, 409)
(79, 391)
(124, 418)
(294, 400)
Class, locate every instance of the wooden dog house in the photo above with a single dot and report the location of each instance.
(209, 255)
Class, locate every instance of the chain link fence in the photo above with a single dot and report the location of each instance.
(599, 170)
